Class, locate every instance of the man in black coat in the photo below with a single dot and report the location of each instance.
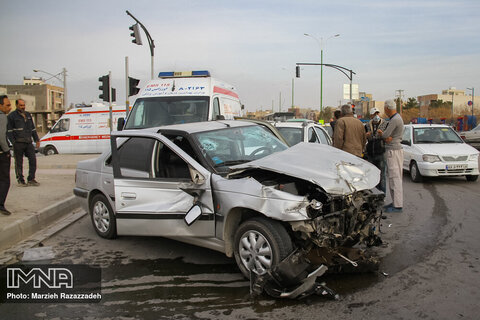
(21, 130)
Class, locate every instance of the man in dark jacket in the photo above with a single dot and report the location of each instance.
(376, 146)
(21, 130)
(5, 108)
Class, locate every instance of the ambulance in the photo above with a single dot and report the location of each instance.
(182, 97)
(82, 130)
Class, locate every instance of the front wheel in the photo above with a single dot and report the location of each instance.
(472, 178)
(50, 151)
(260, 244)
(103, 219)
(415, 173)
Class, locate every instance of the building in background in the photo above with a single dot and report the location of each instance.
(460, 102)
(43, 101)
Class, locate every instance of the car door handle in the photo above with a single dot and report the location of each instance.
(129, 196)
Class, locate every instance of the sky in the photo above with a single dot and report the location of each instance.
(419, 46)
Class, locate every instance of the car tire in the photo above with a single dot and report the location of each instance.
(50, 151)
(472, 178)
(415, 173)
(102, 216)
(275, 242)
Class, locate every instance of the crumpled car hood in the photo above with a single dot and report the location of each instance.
(336, 171)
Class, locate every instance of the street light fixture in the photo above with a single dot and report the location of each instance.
(64, 80)
(320, 43)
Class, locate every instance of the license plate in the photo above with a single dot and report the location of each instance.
(456, 166)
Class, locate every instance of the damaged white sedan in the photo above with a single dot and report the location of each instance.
(285, 214)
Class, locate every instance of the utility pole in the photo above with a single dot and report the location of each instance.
(399, 95)
(473, 98)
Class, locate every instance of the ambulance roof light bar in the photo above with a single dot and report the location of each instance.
(183, 74)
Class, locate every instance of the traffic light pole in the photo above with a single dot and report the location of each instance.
(343, 70)
(150, 41)
(127, 87)
(110, 98)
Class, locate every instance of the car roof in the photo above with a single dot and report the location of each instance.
(294, 124)
(195, 127)
(427, 125)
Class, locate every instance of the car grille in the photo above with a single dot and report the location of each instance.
(455, 158)
(454, 172)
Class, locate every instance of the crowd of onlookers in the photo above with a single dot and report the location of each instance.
(378, 141)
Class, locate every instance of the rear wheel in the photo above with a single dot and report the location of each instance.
(50, 150)
(103, 219)
(415, 173)
(260, 244)
(472, 178)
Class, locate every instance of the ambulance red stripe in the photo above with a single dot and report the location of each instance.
(225, 91)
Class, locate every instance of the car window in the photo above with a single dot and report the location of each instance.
(169, 165)
(321, 135)
(407, 135)
(153, 112)
(216, 108)
(292, 135)
(135, 157)
(312, 136)
(61, 126)
(435, 135)
(230, 146)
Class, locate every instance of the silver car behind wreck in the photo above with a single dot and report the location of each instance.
(232, 186)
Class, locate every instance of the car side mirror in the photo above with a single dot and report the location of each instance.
(193, 214)
(220, 117)
(120, 124)
(408, 143)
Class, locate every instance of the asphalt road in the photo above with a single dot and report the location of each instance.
(431, 257)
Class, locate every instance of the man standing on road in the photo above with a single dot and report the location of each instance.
(376, 145)
(349, 134)
(394, 155)
(5, 108)
(21, 129)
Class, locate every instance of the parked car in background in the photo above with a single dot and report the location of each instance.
(432, 150)
(472, 137)
(232, 186)
(301, 130)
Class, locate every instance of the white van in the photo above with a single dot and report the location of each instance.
(183, 97)
(82, 130)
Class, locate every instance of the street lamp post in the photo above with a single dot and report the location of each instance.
(64, 80)
(320, 43)
(473, 97)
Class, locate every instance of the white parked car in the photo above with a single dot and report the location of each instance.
(432, 150)
(472, 137)
(302, 130)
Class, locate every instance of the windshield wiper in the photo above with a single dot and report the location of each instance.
(231, 163)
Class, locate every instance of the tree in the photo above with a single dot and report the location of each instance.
(411, 103)
(435, 104)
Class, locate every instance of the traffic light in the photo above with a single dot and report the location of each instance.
(297, 71)
(135, 34)
(104, 88)
(132, 86)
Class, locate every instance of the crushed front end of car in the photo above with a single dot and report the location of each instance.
(330, 208)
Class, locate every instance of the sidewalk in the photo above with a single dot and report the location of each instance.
(34, 208)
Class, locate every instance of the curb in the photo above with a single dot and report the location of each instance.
(24, 228)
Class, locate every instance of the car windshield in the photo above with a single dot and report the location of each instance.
(435, 135)
(162, 111)
(292, 135)
(230, 146)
